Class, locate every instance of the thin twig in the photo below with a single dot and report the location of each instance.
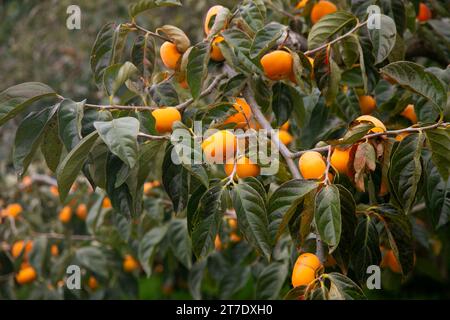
(114, 107)
(206, 92)
(60, 236)
(153, 137)
(153, 34)
(358, 25)
(378, 134)
(326, 180)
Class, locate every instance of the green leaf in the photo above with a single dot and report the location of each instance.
(147, 158)
(164, 94)
(238, 40)
(327, 216)
(192, 206)
(116, 75)
(147, 247)
(15, 99)
(143, 55)
(175, 179)
(406, 169)
(328, 26)
(349, 222)
(252, 217)
(197, 67)
(266, 38)
(284, 201)
(366, 247)
(29, 136)
(120, 135)
(383, 39)
(270, 281)
(93, 259)
(415, 78)
(107, 49)
(350, 51)
(121, 193)
(254, 13)
(39, 254)
(207, 220)
(144, 5)
(195, 278)
(69, 168)
(51, 146)
(399, 230)
(439, 142)
(180, 242)
(70, 116)
(437, 195)
(343, 288)
(285, 99)
(233, 280)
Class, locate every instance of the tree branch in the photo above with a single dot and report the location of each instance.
(259, 116)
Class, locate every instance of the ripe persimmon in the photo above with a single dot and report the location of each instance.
(424, 13)
(285, 137)
(305, 269)
(19, 246)
(165, 117)
(65, 214)
(221, 143)
(409, 113)
(170, 55)
(81, 211)
(243, 115)
(312, 165)
(367, 104)
(13, 210)
(216, 54)
(244, 168)
(340, 159)
(277, 64)
(130, 264)
(26, 275)
(321, 9)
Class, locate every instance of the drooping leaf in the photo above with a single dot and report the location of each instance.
(415, 78)
(270, 280)
(93, 259)
(16, 99)
(252, 217)
(29, 136)
(116, 75)
(253, 13)
(70, 116)
(180, 242)
(383, 39)
(439, 142)
(147, 247)
(406, 169)
(69, 168)
(327, 216)
(51, 146)
(197, 67)
(120, 135)
(284, 201)
(143, 55)
(285, 99)
(398, 228)
(366, 247)
(207, 220)
(164, 94)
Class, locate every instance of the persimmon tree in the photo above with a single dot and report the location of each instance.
(356, 103)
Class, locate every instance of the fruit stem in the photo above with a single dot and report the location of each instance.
(326, 180)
